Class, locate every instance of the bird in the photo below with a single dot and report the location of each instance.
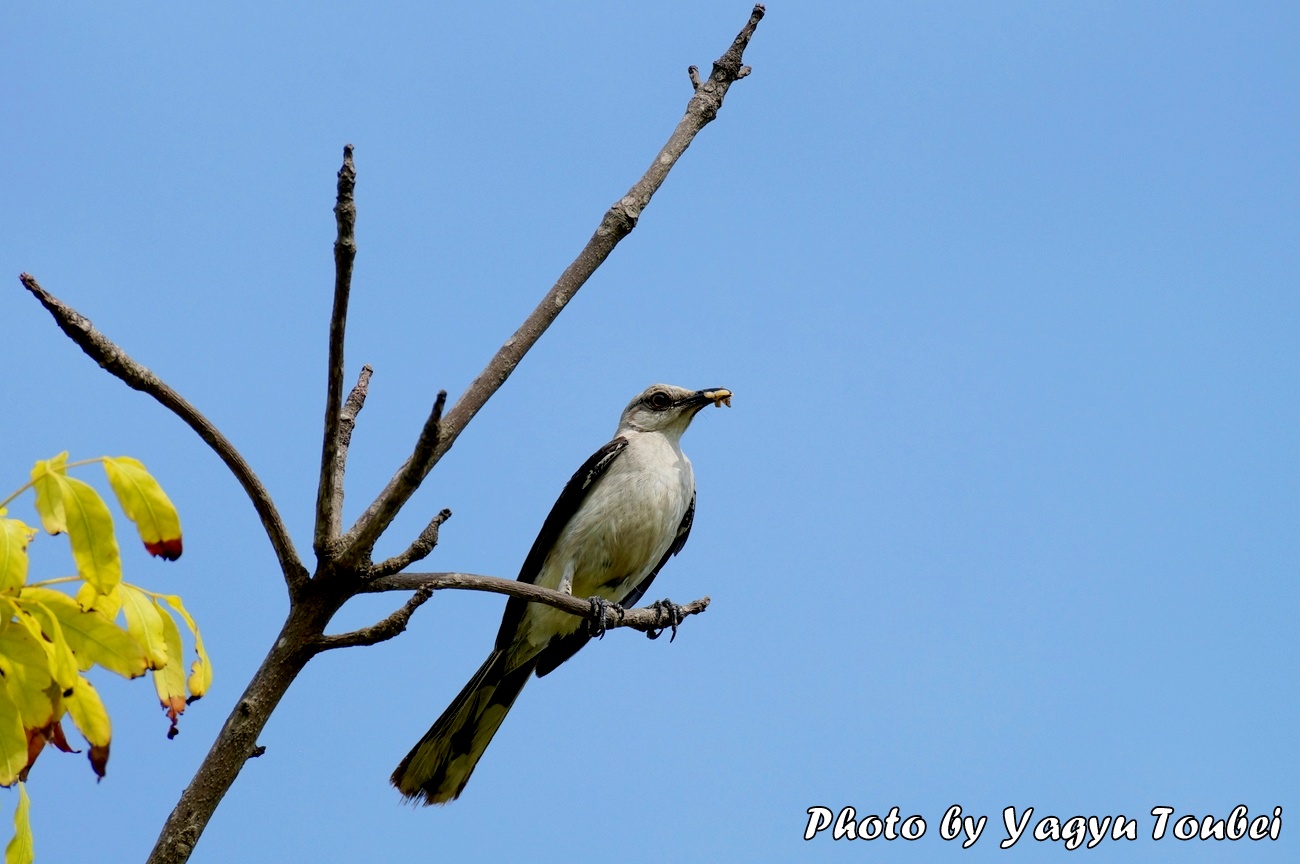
(618, 520)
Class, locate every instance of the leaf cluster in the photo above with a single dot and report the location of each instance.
(50, 638)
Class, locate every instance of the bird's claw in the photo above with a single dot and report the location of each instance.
(600, 614)
(674, 615)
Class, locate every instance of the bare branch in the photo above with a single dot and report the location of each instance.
(381, 632)
(417, 551)
(119, 364)
(644, 618)
(329, 496)
(618, 222)
(347, 422)
(360, 539)
(348, 417)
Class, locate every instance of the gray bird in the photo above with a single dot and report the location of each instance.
(619, 519)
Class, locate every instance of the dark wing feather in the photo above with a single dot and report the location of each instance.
(571, 498)
(559, 649)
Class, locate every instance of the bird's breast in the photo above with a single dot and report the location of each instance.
(627, 523)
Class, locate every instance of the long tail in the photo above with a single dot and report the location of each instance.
(438, 768)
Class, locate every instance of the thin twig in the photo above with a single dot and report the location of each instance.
(644, 618)
(119, 364)
(348, 416)
(360, 539)
(417, 551)
(347, 423)
(380, 632)
(617, 223)
(329, 496)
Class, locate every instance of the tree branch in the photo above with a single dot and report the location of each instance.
(617, 223)
(348, 418)
(417, 551)
(119, 364)
(643, 618)
(381, 632)
(329, 496)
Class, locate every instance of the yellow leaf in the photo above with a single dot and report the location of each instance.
(144, 503)
(90, 529)
(200, 679)
(108, 605)
(144, 623)
(13, 740)
(14, 537)
(92, 637)
(90, 716)
(49, 496)
(26, 669)
(42, 624)
(21, 849)
(169, 681)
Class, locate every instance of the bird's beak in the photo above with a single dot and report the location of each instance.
(716, 395)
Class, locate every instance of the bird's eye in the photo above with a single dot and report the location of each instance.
(660, 401)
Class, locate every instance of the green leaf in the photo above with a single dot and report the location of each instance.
(169, 681)
(90, 529)
(144, 621)
(26, 668)
(42, 624)
(200, 679)
(108, 605)
(14, 537)
(144, 503)
(49, 495)
(21, 848)
(90, 716)
(92, 637)
(13, 740)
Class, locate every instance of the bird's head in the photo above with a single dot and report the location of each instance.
(668, 409)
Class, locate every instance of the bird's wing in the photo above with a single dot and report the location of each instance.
(571, 498)
(564, 647)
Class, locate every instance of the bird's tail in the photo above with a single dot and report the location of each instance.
(438, 767)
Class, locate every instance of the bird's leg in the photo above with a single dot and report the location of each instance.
(600, 610)
(666, 607)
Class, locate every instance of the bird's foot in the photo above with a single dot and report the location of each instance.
(671, 613)
(599, 616)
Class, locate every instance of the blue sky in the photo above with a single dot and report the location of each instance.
(1005, 512)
